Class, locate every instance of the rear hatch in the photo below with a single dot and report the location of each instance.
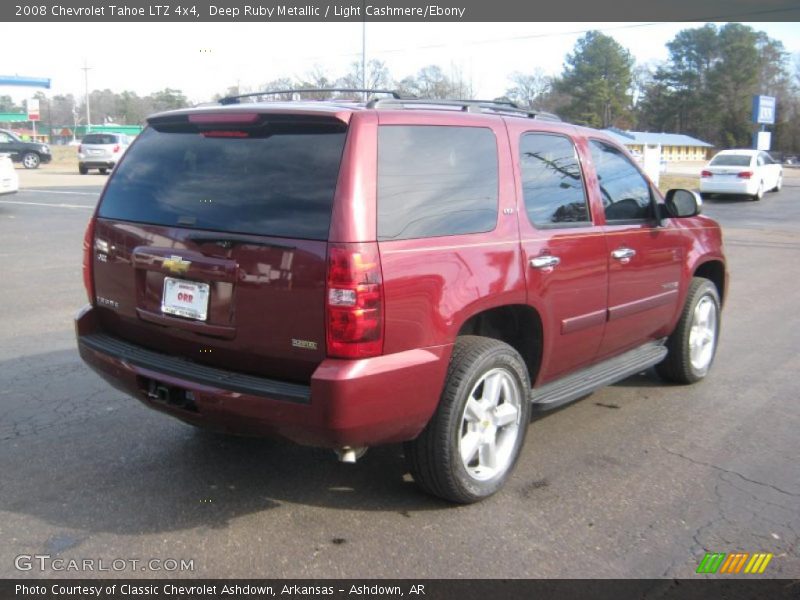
(211, 240)
(100, 146)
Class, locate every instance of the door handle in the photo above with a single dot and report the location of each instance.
(546, 261)
(624, 254)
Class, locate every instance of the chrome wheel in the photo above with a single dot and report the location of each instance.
(703, 333)
(30, 160)
(490, 425)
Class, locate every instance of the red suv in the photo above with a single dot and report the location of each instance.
(422, 271)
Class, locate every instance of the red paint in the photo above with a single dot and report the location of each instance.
(369, 326)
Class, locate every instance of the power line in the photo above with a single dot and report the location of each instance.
(552, 34)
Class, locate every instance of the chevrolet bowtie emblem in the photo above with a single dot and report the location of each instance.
(176, 264)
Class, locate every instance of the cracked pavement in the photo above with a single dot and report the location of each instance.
(638, 480)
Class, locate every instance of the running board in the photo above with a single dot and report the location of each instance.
(585, 381)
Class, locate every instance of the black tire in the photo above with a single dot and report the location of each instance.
(83, 170)
(677, 367)
(434, 458)
(760, 193)
(31, 160)
(103, 170)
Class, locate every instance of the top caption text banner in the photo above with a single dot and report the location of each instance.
(397, 10)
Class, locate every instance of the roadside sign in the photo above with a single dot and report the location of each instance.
(33, 109)
(764, 140)
(764, 110)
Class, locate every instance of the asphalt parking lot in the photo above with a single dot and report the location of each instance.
(637, 480)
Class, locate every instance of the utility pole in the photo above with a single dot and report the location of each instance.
(364, 50)
(86, 68)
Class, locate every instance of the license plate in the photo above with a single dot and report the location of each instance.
(185, 298)
(95, 151)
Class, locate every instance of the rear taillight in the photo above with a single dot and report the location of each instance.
(705, 174)
(354, 314)
(88, 252)
(80, 148)
(116, 148)
(745, 175)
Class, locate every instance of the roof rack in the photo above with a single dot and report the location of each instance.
(235, 99)
(502, 107)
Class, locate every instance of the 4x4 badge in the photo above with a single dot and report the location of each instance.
(176, 264)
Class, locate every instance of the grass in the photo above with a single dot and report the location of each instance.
(64, 155)
(668, 182)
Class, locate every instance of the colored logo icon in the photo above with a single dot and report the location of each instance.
(738, 562)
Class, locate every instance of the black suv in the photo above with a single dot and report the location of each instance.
(30, 154)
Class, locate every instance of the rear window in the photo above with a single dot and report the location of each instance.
(731, 160)
(436, 181)
(277, 183)
(100, 138)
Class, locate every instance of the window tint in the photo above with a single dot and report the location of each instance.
(100, 138)
(277, 183)
(731, 160)
(625, 192)
(552, 184)
(435, 181)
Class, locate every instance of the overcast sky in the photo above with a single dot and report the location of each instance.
(202, 59)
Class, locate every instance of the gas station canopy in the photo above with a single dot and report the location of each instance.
(43, 82)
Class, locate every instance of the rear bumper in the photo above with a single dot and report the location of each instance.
(8, 186)
(740, 186)
(366, 402)
(97, 164)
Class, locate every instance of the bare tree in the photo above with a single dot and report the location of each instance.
(316, 78)
(377, 76)
(432, 82)
(528, 89)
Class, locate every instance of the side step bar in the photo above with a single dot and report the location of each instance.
(577, 385)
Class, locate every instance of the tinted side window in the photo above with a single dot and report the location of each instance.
(435, 181)
(625, 192)
(552, 183)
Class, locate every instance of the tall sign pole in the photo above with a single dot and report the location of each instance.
(364, 50)
(33, 114)
(763, 115)
(86, 68)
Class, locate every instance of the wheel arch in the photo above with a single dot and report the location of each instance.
(714, 271)
(518, 325)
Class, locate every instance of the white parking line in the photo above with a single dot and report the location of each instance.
(46, 204)
(53, 192)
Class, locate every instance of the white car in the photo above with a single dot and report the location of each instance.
(747, 172)
(9, 181)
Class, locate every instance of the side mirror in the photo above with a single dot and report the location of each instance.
(682, 203)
